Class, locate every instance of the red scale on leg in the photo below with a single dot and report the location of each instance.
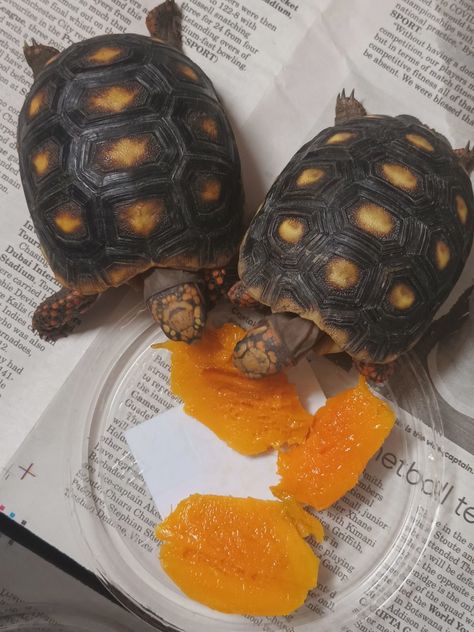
(59, 314)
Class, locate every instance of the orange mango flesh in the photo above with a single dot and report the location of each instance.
(251, 416)
(346, 433)
(240, 555)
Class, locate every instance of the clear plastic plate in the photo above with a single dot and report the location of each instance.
(55, 618)
(115, 516)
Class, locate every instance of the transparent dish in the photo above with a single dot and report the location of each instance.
(363, 563)
(55, 618)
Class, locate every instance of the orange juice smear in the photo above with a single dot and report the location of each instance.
(251, 416)
(241, 555)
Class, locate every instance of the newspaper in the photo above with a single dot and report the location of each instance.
(277, 66)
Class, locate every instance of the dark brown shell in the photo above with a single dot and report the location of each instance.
(128, 161)
(365, 232)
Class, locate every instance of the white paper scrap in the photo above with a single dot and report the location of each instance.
(179, 456)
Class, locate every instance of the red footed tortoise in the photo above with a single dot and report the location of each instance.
(359, 241)
(130, 169)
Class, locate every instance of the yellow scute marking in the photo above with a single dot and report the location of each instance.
(37, 103)
(41, 162)
(211, 190)
(461, 209)
(68, 221)
(113, 99)
(141, 217)
(401, 296)
(310, 176)
(45, 159)
(374, 219)
(340, 138)
(291, 230)
(188, 72)
(342, 273)
(209, 127)
(400, 176)
(105, 54)
(442, 254)
(419, 141)
(124, 153)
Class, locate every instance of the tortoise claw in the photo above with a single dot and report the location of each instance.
(377, 373)
(348, 108)
(466, 157)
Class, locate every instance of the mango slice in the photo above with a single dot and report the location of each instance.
(240, 555)
(346, 433)
(251, 416)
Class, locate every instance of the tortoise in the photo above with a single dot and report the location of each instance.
(131, 171)
(358, 242)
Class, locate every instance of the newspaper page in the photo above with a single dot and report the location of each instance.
(242, 49)
(399, 56)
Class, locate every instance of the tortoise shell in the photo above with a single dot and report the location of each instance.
(128, 162)
(365, 233)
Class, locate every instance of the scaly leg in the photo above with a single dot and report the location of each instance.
(176, 301)
(164, 23)
(57, 316)
(239, 296)
(466, 157)
(377, 373)
(38, 55)
(348, 108)
(277, 341)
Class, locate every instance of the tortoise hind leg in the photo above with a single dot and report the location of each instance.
(466, 157)
(176, 301)
(38, 55)
(58, 315)
(277, 341)
(164, 23)
(348, 108)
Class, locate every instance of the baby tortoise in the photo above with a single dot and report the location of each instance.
(130, 169)
(357, 244)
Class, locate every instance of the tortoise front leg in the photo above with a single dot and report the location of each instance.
(176, 301)
(58, 315)
(348, 108)
(239, 295)
(278, 341)
(377, 373)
